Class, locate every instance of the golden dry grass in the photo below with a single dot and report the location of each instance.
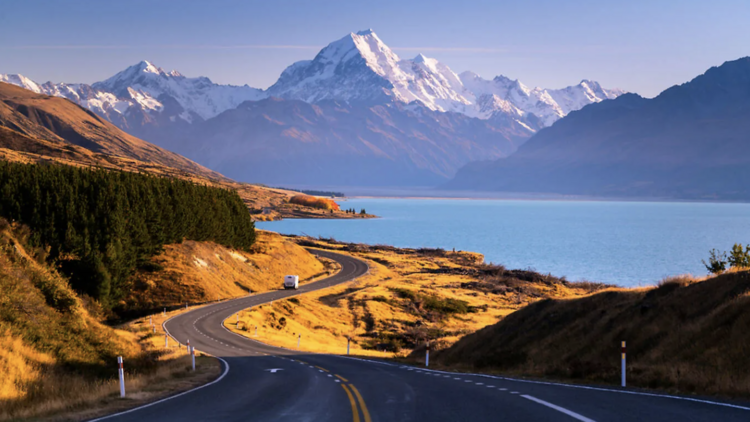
(315, 202)
(686, 335)
(198, 272)
(57, 361)
(372, 312)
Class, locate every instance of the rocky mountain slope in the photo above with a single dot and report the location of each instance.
(691, 141)
(445, 120)
(277, 141)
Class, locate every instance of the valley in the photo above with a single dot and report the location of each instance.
(523, 211)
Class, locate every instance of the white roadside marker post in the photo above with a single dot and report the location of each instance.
(187, 346)
(238, 317)
(185, 305)
(427, 355)
(192, 353)
(153, 328)
(121, 373)
(166, 341)
(348, 341)
(150, 320)
(256, 331)
(623, 364)
(165, 311)
(299, 339)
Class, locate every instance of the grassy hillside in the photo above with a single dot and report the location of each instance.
(205, 271)
(35, 128)
(100, 226)
(56, 358)
(58, 119)
(684, 335)
(408, 297)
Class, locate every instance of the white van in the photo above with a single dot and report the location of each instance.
(291, 282)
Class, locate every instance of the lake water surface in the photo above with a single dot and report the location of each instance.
(626, 243)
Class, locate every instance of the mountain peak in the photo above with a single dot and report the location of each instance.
(421, 58)
(367, 32)
(148, 67)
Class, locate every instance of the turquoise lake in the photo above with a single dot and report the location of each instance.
(625, 243)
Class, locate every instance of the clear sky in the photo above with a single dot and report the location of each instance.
(639, 46)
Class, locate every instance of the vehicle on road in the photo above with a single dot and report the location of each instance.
(291, 282)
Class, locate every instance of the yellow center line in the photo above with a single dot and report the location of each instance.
(365, 413)
(322, 369)
(341, 378)
(355, 413)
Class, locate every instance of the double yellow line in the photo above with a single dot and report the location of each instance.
(351, 392)
(349, 389)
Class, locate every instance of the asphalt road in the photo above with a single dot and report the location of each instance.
(264, 383)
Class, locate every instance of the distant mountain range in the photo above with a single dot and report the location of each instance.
(691, 141)
(356, 114)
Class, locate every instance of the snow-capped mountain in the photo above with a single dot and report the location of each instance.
(357, 68)
(356, 105)
(153, 88)
(360, 67)
(147, 92)
(547, 104)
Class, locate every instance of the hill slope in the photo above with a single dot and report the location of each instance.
(684, 335)
(59, 121)
(691, 141)
(278, 141)
(367, 114)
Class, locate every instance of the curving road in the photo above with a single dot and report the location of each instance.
(264, 383)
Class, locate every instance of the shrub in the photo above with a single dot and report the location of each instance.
(717, 262)
(738, 257)
(311, 201)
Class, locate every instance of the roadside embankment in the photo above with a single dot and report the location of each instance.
(57, 361)
(685, 335)
(199, 272)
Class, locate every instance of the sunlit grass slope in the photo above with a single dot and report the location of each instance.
(198, 272)
(410, 296)
(55, 357)
(685, 335)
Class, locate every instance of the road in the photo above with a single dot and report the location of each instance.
(264, 383)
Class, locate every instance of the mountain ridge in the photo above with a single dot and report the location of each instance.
(690, 141)
(445, 121)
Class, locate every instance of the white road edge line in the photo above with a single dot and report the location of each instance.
(558, 408)
(559, 384)
(226, 371)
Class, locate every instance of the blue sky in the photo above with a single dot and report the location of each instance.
(639, 46)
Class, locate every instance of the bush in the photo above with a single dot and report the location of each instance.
(738, 257)
(311, 201)
(717, 262)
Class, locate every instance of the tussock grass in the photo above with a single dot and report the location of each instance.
(409, 297)
(685, 335)
(56, 360)
(199, 272)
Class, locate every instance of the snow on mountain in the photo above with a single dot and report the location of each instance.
(22, 81)
(149, 89)
(148, 85)
(360, 67)
(547, 104)
(357, 68)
